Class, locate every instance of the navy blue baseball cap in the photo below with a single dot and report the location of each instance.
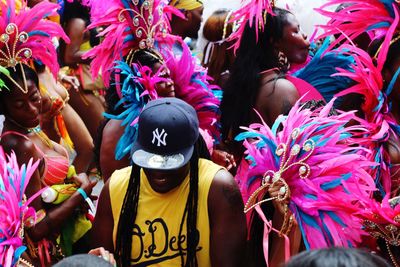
(168, 129)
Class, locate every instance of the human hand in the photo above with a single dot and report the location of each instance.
(103, 253)
(278, 191)
(82, 180)
(223, 158)
(70, 81)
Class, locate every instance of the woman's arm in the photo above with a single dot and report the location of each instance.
(227, 222)
(103, 225)
(75, 30)
(55, 217)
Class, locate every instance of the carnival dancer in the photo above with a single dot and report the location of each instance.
(376, 81)
(24, 36)
(267, 39)
(217, 56)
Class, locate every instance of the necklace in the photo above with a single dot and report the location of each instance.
(36, 130)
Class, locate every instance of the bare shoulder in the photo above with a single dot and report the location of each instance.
(279, 88)
(112, 129)
(224, 189)
(20, 145)
(276, 98)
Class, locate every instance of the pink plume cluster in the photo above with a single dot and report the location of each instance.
(40, 31)
(369, 83)
(252, 12)
(378, 18)
(192, 86)
(14, 208)
(128, 25)
(337, 172)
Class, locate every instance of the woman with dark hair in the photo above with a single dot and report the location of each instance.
(218, 58)
(258, 79)
(21, 104)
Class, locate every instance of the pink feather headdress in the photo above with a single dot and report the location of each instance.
(309, 156)
(252, 12)
(14, 207)
(26, 34)
(382, 221)
(129, 25)
(192, 85)
(376, 17)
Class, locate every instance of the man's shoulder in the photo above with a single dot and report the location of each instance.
(119, 179)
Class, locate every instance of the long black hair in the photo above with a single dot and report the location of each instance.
(252, 58)
(129, 211)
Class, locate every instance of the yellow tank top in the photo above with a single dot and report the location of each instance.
(156, 229)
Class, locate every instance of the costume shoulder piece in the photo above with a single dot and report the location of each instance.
(311, 157)
(14, 206)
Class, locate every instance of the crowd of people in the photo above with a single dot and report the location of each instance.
(273, 149)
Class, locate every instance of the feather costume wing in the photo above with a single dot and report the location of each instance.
(14, 207)
(192, 85)
(129, 25)
(309, 153)
(28, 34)
(351, 22)
(368, 81)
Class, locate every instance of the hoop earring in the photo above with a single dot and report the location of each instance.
(283, 62)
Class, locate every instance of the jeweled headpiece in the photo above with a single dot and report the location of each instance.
(129, 25)
(26, 35)
(306, 158)
(382, 221)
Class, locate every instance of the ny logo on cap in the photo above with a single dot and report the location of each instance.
(159, 137)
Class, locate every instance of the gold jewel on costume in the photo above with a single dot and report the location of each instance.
(145, 29)
(390, 233)
(13, 57)
(395, 39)
(286, 153)
(151, 52)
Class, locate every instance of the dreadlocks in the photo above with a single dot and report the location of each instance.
(129, 211)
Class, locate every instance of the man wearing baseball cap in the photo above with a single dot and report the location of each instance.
(171, 208)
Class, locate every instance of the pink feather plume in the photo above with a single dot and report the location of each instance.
(40, 32)
(337, 171)
(14, 208)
